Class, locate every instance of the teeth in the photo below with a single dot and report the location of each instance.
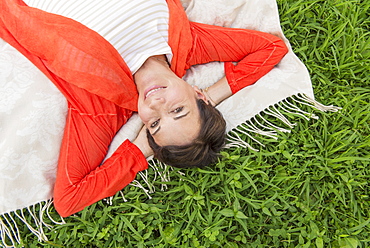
(154, 90)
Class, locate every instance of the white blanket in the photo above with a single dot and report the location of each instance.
(32, 111)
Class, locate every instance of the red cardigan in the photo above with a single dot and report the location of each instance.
(101, 93)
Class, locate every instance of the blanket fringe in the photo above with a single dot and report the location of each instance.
(35, 222)
(158, 170)
(260, 125)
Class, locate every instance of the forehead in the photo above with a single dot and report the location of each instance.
(179, 132)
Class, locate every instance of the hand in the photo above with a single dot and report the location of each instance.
(141, 141)
(218, 91)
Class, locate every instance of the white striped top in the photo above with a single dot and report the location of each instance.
(138, 29)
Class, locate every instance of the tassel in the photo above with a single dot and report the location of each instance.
(268, 129)
(35, 222)
(315, 104)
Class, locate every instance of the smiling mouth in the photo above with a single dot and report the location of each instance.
(153, 90)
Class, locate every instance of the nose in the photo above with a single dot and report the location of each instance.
(157, 102)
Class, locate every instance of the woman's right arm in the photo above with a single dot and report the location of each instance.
(219, 91)
(248, 54)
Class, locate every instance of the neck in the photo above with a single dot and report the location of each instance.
(152, 67)
(161, 58)
(153, 61)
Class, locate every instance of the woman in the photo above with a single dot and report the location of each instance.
(103, 90)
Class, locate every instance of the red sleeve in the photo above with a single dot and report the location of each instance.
(256, 53)
(101, 94)
(76, 54)
(81, 180)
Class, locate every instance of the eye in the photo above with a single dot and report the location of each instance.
(154, 124)
(178, 110)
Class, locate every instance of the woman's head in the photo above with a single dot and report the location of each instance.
(177, 115)
(201, 151)
(169, 110)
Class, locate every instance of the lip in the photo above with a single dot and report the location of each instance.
(154, 87)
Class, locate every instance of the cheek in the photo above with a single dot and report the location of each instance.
(144, 114)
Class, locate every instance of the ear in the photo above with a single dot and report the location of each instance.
(200, 94)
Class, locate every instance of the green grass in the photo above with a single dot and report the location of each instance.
(308, 189)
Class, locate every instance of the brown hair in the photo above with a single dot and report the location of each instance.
(204, 150)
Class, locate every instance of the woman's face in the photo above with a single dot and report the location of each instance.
(167, 106)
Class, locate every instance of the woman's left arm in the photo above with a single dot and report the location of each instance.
(254, 52)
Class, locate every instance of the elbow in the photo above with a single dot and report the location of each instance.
(62, 207)
(63, 203)
(281, 48)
